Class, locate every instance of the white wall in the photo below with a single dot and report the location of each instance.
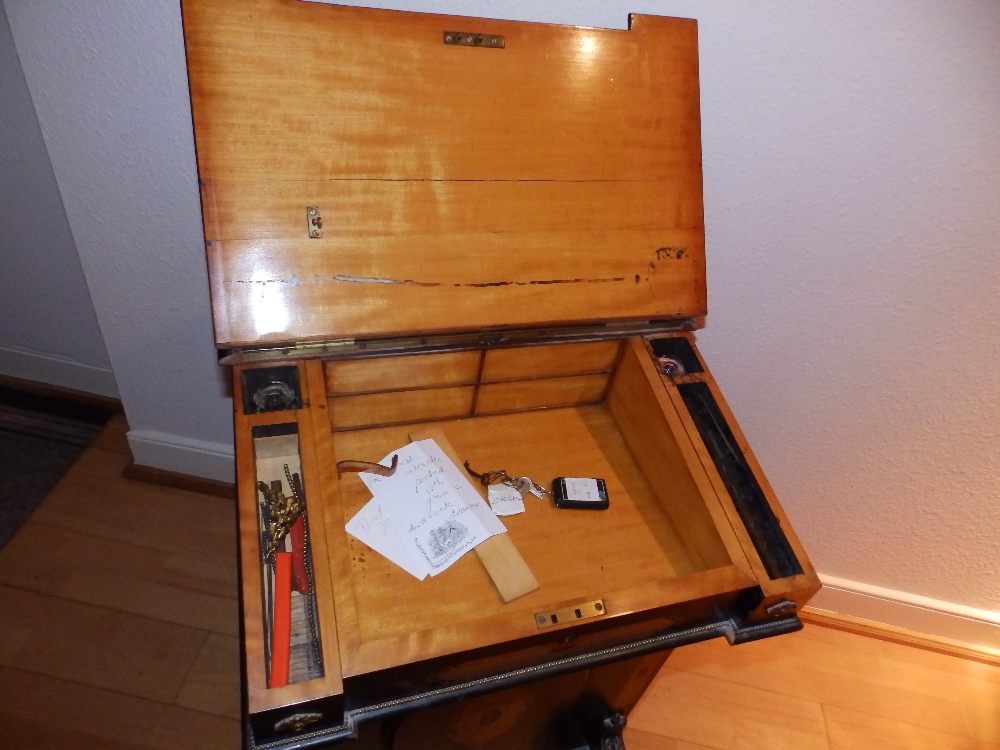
(109, 84)
(48, 328)
(852, 186)
(852, 209)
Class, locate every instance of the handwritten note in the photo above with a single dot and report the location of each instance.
(427, 513)
(505, 500)
(376, 528)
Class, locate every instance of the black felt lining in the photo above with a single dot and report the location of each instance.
(761, 524)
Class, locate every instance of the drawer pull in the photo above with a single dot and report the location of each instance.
(784, 607)
(297, 722)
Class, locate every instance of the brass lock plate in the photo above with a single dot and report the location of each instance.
(474, 39)
(572, 613)
(314, 222)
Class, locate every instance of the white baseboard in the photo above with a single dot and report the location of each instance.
(920, 614)
(183, 455)
(58, 371)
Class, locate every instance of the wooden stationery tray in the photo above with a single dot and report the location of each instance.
(688, 537)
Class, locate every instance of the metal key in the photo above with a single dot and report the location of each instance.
(535, 489)
(523, 485)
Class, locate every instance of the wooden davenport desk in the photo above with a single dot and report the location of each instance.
(494, 230)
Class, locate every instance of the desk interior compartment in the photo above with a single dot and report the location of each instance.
(666, 538)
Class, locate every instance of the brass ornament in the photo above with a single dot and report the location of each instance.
(279, 512)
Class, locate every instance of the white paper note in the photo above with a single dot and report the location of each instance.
(459, 481)
(437, 513)
(505, 500)
(373, 526)
(583, 489)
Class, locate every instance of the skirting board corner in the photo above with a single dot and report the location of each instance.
(906, 618)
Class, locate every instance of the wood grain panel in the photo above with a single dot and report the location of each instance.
(281, 290)
(618, 554)
(536, 361)
(376, 208)
(558, 103)
(535, 394)
(554, 194)
(387, 373)
(399, 406)
(645, 419)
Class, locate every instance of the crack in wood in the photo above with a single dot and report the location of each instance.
(294, 281)
(477, 285)
(290, 281)
(472, 179)
(379, 280)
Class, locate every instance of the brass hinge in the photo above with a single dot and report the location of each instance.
(355, 348)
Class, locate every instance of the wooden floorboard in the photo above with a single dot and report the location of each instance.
(119, 623)
(822, 688)
(119, 615)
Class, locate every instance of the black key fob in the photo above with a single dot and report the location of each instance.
(580, 492)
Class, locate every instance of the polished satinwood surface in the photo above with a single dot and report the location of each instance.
(402, 373)
(669, 537)
(522, 363)
(416, 388)
(555, 180)
(575, 555)
(634, 556)
(532, 394)
(102, 550)
(401, 406)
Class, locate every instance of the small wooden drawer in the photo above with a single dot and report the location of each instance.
(348, 412)
(401, 373)
(541, 393)
(560, 359)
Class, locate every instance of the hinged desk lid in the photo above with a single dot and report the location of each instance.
(513, 175)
